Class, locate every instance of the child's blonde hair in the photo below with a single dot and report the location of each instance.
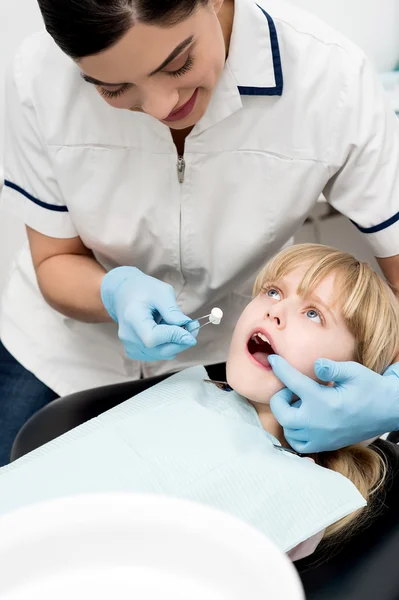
(371, 312)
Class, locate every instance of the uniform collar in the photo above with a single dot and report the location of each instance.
(253, 67)
(254, 54)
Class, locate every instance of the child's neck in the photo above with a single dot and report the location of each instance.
(269, 421)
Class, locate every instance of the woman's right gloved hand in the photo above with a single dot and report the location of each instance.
(150, 321)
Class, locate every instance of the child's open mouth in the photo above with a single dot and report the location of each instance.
(260, 348)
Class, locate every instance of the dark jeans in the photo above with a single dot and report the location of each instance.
(21, 395)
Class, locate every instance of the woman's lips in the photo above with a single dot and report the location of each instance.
(184, 110)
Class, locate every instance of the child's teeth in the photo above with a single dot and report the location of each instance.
(263, 337)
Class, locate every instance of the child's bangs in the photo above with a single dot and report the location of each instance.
(319, 261)
(345, 282)
(365, 302)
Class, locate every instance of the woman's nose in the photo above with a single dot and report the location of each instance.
(160, 103)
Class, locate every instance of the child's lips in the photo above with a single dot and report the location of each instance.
(260, 359)
(264, 337)
(259, 347)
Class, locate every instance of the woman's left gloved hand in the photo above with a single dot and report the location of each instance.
(362, 404)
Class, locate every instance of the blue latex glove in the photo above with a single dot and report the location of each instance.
(362, 404)
(150, 322)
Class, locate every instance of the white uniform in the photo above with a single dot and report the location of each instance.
(298, 111)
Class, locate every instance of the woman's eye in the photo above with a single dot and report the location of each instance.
(273, 293)
(313, 315)
(115, 94)
(188, 65)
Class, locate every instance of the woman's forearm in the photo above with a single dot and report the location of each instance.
(70, 283)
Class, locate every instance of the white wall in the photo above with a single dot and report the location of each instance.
(18, 18)
(371, 24)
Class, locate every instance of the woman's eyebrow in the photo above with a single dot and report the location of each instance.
(174, 54)
(95, 81)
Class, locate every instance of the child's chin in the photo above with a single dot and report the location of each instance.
(264, 394)
(257, 400)
(252, 392)
(258, 389)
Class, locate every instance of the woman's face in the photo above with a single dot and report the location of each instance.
(166, 72)
(301, 330)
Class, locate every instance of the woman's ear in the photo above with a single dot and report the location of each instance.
(217, 5)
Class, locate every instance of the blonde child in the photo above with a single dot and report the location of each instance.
(313, 301)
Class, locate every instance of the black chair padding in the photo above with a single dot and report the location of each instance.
(394, 437)
(365, 567)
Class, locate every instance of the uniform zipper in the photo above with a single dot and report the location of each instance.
(181, 167)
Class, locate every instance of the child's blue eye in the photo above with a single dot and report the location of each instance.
(313, 315)
(273, 293)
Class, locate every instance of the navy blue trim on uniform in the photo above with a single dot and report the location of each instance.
(16, 187)
(380, 227)
(278, 72)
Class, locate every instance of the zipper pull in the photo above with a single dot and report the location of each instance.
(181, 167)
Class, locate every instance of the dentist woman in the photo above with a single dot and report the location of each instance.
(159, 152)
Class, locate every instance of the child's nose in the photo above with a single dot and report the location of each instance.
(276, 314)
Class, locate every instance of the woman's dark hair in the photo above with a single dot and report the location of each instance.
(84, 27)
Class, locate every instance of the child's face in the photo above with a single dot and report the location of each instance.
(301, 330)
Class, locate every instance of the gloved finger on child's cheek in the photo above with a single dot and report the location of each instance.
(171, 334)
(293, 379)
(392, 370)
(329, 370)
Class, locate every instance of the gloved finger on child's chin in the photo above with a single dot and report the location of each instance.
(301, 447)
(297, 436)
(281, 408)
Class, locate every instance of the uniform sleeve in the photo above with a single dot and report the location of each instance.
(30, 189)
(364, 182)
